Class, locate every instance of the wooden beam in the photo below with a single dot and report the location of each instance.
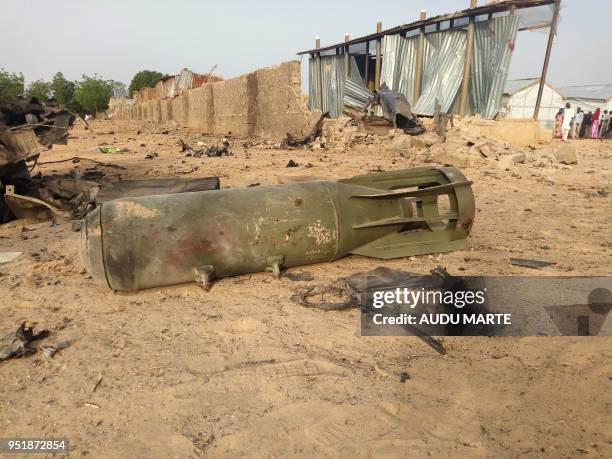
(347, 67)
(551, 36)
(467, 66)
(366, 77)
(543, 25)
(419, 60)
(378, 58)
(319, 75)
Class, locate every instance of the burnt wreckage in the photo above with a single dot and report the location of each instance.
(27, 128)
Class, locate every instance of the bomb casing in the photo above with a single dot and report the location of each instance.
(151, 241)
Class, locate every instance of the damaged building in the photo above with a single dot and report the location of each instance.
(460, 60)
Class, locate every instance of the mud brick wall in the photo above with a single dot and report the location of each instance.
(265, 102)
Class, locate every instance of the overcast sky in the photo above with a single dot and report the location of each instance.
(116, 39)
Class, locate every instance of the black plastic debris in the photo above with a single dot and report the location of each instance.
(19, 343)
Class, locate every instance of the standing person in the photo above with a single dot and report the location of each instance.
(586, 125)
(605, 123)
(595, 124)
(558, 123)
(568, 117)
(578, 117)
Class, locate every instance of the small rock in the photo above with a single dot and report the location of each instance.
(566, 154)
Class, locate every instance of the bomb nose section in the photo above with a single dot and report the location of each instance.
(90, 247)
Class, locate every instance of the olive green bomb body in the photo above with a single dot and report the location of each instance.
(151, 241)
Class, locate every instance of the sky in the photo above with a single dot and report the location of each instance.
(116, 39)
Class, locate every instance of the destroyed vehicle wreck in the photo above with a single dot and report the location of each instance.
(27, 128)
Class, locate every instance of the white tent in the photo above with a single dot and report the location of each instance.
(519, 100)
(589, 97)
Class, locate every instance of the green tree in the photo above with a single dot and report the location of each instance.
(11, 85)
(63, 89)
(144, 79)
(39, 89)
(93, 93)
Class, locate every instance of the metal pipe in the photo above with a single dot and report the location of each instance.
(551, 36)
(378, 59)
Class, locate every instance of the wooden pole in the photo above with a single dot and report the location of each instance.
(347, 68)
(378, 61)
(319, 75)
(551, 36)
(366, 77)
(467, 66)
(419, 60)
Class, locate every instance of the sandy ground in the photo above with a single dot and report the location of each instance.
(242, 370)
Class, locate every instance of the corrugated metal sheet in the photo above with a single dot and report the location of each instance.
(493, 47)
(399, 64)
(597, 92)
(442, 70)
(332, 84)
(313, 98)
(356, 95)
(332, 72)
(513, 86)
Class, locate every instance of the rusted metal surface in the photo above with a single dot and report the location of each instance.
(492, 8)
(137, 243)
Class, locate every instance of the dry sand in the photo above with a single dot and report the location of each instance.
(243, 371)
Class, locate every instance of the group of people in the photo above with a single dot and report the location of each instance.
(580, 125)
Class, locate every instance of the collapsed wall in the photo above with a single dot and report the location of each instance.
(266, 102)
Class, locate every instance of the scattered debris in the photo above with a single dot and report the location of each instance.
(5, 257)
(440, 121)
(298, 277)
(530, 263)
(19, 343)
(382, 373)
(404, 376)
(97, 384)
(151, 155)
(26, 130)
(210, 152)
(330, 297)
(107, 150)
(50, 350)
(292, 163)
(396, 109)
(315, 132)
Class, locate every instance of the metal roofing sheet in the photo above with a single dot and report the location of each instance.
(514, 86)
(597, 91)
(492, 51)
(442, 70)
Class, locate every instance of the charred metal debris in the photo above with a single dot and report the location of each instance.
(27, 128)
